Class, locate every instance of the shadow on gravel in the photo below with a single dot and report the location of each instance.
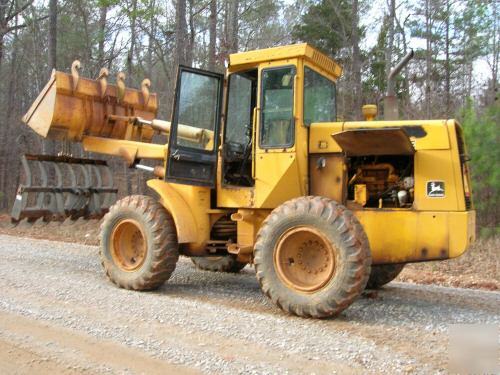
(240, 290)
(392, 305)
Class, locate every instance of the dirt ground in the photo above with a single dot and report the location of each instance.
(33, 353)
(478, 268)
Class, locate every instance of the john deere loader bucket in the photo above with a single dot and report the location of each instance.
(70, 108)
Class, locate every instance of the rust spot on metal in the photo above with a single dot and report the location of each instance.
(374, 141)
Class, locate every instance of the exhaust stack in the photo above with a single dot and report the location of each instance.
(391, 112)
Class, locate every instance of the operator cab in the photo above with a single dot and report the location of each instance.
(252, 144)
(277, 121)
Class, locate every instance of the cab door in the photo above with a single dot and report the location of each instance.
(281, 156)
(194, 131)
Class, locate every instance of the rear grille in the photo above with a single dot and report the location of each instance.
(464, 158)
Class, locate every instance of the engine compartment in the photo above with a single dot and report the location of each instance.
(381, 181)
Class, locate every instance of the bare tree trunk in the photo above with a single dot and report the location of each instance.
(447, 60)
(406, 81)
(470, 71)
(180, 33)
(11, 91)
(428, 59)
(103, 14)
(225, 38)
(229, 44)
(356, 62)
(1, 50)
(133, 33)
(3, 21)
(152, 31)
(10, 150)
(212, 34)
(38, 53)
(52, 34)
(192, 33)
(233, 26)
(390, 38)
(389, 47)
(495, 57)
(48, 145)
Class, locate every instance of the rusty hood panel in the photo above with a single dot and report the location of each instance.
(376, 141)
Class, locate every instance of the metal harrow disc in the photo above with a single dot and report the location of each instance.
(58, 187)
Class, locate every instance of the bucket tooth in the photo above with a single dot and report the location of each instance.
(145, 85)
(103, 81)
(120, 87)
(75, 73)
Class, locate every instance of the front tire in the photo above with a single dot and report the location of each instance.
(312, 257)
(226, 263)
(139, 248)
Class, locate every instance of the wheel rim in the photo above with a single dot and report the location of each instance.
(129, 245)
(304, 259)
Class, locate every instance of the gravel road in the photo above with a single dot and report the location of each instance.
(59, 314)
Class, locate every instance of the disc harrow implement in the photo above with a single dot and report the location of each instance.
(60, 187)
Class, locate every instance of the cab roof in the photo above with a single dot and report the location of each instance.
(303, 50)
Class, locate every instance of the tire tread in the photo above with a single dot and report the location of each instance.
(353, 236)
(164, 247)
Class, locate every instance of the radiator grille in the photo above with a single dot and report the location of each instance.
(464, 158)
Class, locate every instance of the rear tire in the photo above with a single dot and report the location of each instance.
(139, 248)
(226, 263)
(383, 274)
(312, 257)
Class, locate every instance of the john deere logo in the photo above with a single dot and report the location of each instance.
(435, 189)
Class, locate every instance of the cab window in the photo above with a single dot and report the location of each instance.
(319, 98)
(237, 155)
(277, 123)
(240, 105)
(197, 112)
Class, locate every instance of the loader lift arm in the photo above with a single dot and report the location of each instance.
(128, 150)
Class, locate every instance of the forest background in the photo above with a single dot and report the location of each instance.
(454, 73)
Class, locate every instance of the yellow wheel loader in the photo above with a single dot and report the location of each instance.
(258, 170)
